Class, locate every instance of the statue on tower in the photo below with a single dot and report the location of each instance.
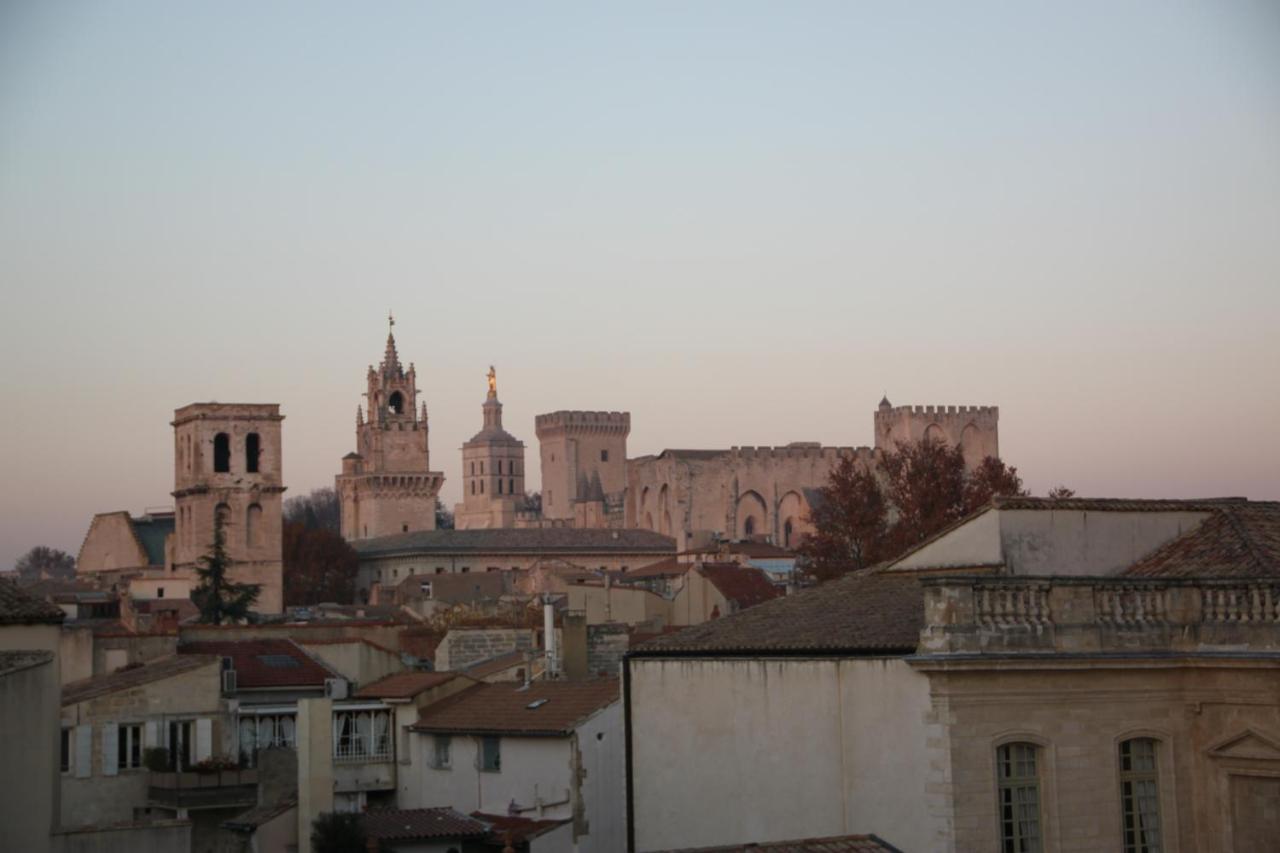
(493, 382)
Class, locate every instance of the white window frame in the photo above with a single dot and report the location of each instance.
(363, 734)
(442, 752)
(482, 763)
(129, 744)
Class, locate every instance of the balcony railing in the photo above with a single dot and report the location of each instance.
(987, 615)
(191, 790)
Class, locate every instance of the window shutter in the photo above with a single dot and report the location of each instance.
(204, 738)
(149, 737)
(110, 749)
(84, 752)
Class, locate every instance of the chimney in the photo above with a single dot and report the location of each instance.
(549, 636)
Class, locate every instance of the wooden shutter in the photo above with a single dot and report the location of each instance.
(204, 738)
(84, 752)
(110, 749)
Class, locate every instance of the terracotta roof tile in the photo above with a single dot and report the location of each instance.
(670, 567)
(866, 613)
(1113, 504)
(542, 708)
(745, 586)
(521, 828)
(1236, 541)
(404, 685)
(496, 664)
(421, 824)
(19, 608)
(517, 540)
(835, 844)
(125, 679)
(264, 663)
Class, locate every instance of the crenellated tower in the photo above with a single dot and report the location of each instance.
(974, 428)
(584, 461)
(387, 485)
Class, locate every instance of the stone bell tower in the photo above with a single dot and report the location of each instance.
(387, 485)
(227, 464)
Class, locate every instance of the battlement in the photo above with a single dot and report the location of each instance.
(797, 450)
(615, 422)
(937, 411)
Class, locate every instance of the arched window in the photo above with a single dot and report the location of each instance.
(252, 447)
(221, 453)
(1018, 775)
(396, 403)
(482, 481)
(473, 487)
(1140, 796)
(253, 526)
(473, 469)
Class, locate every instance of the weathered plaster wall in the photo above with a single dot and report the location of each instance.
(110, 544)
(29, 732)
(731, 751)
(1053, 542)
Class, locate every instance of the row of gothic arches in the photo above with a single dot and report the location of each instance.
(752, 514)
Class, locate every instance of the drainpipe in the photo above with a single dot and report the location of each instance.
(549, 637)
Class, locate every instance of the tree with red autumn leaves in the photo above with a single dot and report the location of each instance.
(861, 519)
(319, 566)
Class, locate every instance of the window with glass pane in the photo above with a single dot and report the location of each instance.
(129, 746)
(1019, 797)
(443, 750)
(1140, 796)
(491, 754)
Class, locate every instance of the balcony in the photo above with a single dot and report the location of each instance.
(190, 790)
(985, 615)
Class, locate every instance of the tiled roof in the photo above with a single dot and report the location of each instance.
(421, 642)
(404, 685)
(670, 567)
(421, 824)
(542, 708)
(12, 661)
(1236, 541)
(264, 663)
(151, 532)
(496, 664)
(834, 844)
(1113, 504)
(19, 608)
(344, 641)
(521, 828)
(126, 679)
(747, 549)
(517, 540)
(865, 613)
(745, 586)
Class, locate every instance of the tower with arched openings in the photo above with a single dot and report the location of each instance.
(228, 466)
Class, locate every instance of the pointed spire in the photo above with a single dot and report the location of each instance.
(424, 411)
(391, 359)
(359, 416)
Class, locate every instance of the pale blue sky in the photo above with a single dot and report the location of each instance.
(743, 222)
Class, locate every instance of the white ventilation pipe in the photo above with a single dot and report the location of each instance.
(549, 636)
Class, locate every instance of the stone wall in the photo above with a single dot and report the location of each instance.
(463, 647)
(606, 644)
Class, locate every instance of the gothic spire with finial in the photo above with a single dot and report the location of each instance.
(391, 359)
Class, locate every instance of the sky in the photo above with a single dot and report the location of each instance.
(741, 222)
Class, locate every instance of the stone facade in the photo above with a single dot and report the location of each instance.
(227, 462)
(584, 461)
(492, 471)
(387, 485)
(464, 647)
(765, 492)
